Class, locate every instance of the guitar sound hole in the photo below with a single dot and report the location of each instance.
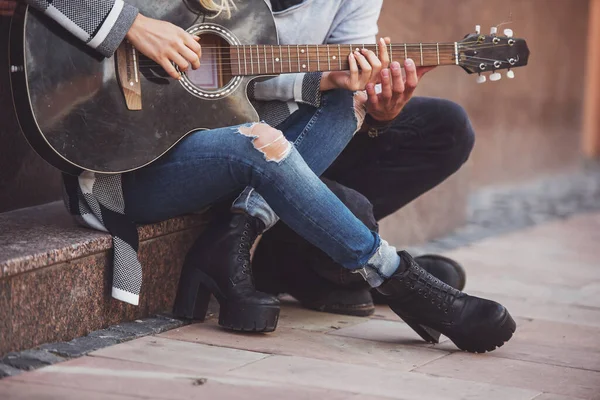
(215, 65)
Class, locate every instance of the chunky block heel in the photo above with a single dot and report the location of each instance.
(192, 296)
(428, 334)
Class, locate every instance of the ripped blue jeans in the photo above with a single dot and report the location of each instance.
(278, 175)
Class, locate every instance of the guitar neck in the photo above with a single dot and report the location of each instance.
(273, 59)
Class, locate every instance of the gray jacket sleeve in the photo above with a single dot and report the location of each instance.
(101, 24)
(355, 23)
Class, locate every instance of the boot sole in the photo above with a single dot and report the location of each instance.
(355, 310)
(491, 341)
(495, 338)
(193, 297)
(248, 318)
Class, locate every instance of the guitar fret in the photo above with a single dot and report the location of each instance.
(257, 58)
(308, 57)
(251, 61)
(289, 58)
(421, 44)
(266, 66)
(273, 58)
(340, 56)
(328, 58)
(318, 59)
(281, 59)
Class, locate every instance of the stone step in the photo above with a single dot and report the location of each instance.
(55, 276)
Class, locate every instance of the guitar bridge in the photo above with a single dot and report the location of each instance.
(128, 73)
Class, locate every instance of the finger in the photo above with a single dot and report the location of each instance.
(375, 65)
(373, 99)
(191, 41)
(169, 68)
(384, 55)
(190, 56)
(354, 74)
(411, 77)
(397, 81)
(387, 40)
(181, 62)
(366, 69)
(423, 70)
(386, 85)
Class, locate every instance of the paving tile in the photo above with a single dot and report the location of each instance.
(551, 396)
(302, 343)
(366, 380)
(560, 334)
(546, 378)
(293, 316)
(517, 349)
(127, 378)
(179, 354)
(22, 391)
(525, 307)
(384, 331)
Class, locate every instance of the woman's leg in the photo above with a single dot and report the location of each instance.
(209, 165)
(320, 135)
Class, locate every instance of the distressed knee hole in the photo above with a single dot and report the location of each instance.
(360, 108)
(269, 141)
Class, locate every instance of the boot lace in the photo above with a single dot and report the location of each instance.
(246, 242)
(429, 287)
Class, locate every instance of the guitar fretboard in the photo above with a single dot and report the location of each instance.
(275, 59)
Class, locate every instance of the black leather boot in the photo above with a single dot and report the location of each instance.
(445, 269)
(219, 263)
(431, 307)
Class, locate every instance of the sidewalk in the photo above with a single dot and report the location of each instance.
(547, 276)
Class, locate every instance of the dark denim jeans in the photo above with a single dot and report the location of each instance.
(376, 176)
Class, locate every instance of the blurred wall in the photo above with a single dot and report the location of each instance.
(525, 127)
(25, 179)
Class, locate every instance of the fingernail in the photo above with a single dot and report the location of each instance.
(370, 86)
(385, 73)
(409, 62)
(395, 66)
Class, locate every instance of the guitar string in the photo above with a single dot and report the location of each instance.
(426, 53)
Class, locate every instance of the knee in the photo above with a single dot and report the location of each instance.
(458, 125)
(269, 141)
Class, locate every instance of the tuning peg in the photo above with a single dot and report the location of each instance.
(478, 29)
(494, 30)
(508, 32)
(510, 74)
(481, 79)
(495, 77)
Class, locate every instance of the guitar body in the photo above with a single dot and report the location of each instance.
(71, 105)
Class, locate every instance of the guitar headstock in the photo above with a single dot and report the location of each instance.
(491, 53)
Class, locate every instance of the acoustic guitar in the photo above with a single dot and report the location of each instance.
(80, 111)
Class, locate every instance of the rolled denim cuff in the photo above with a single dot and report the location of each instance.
(252, 203)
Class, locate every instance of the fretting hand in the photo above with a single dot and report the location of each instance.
(396, 90)
(164, 43)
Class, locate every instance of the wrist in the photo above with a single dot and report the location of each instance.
(135, 27)
(326, 83)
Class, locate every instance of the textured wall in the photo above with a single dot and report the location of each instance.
(530, 125)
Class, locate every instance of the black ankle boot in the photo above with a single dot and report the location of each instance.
(430, 307)
(219, 263)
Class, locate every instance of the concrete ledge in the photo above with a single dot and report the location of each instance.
(55, 276)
